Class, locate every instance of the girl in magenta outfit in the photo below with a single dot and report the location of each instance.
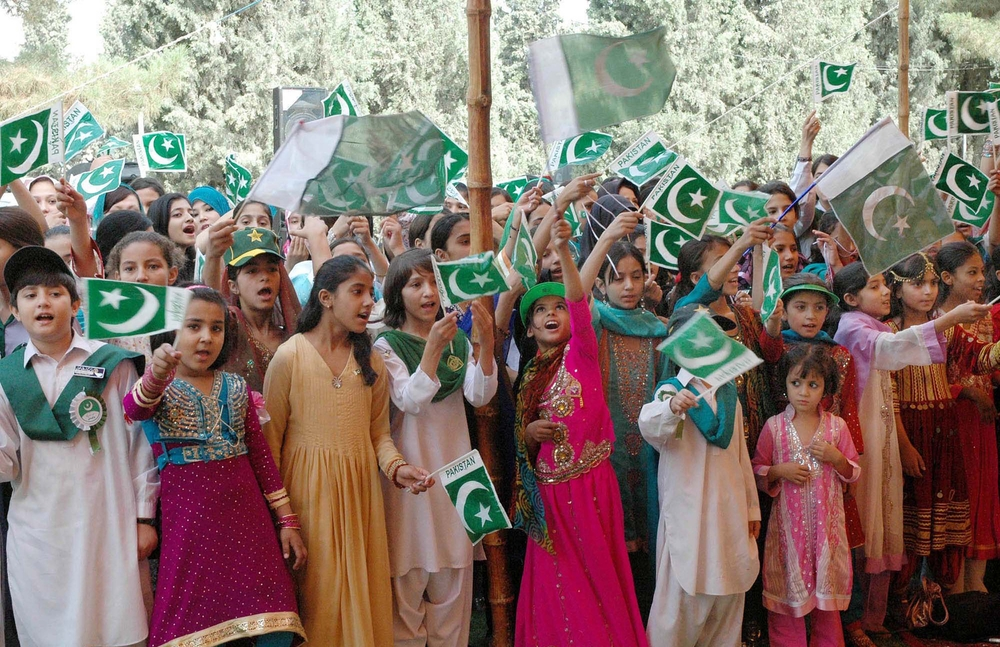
(222, 575)
(803, 457)
(577, 586)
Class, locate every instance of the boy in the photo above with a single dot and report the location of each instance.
(84, 480)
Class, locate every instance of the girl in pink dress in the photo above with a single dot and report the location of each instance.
(577, 586)
(803, 457)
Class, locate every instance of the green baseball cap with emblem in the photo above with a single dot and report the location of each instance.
(250, 243)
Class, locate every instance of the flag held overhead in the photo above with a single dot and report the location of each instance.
(935, 124)
(341, 101)
(28, 142)
(469, 278)
(102, 179)
(702, 348)
(80, 129)
(684, 198)
(965, 182)
(663, 243)
(830, 79)
(643, 160)
(968, 112)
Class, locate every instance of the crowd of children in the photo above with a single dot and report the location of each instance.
(263, 475)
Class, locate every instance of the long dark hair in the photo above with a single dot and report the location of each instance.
(202, 293)
(911, 269)
(18, 228)
(951, 257)
(159, 212)
(850, 280)
(442, 230)
(400, 271)
(331, 274)
(689, 260)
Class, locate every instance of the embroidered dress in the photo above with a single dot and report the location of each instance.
(807, 559)
(580, 593)
(222, 575)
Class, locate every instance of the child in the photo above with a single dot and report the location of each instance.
(876, 351)
(706, 548)
(82, 501)
(218, 482)
(328, 397)
(803, 457)
(433, 369)
(577, 586)
(172, 217)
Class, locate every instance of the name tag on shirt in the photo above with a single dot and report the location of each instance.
(95, 372)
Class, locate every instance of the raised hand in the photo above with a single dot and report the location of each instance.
(165, 360)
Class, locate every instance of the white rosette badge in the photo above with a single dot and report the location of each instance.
(88, 413)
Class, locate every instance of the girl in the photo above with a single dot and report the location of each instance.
(803, 457)
(433, 368)
(328, 397)
(249, 214)
(114, 227)
(172, 217)
(876, 351)
(221, 569)
(207, 206)
(577, 585)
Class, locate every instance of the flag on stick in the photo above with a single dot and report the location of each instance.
(771, 284)
(472, 493)
(962, 213)
(968, 112)
(119, 309)
(341, 101)
(102, 179)
(160, 151)
(935, 124)
(684, 198)
(525, 259)
(663, 243)
(30, 141)
(643, 160)
(582, 149)
(702, 348)
(994, 112)
(112, 144)
(456, 160)
(740, 209)
(830, 79)
(515, 187)
(80, 129)
(238, 179)
(965, 182)
(468, 278)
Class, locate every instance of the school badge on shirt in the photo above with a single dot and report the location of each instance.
(88, 413)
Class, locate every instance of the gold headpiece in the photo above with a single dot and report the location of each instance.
(928, 267)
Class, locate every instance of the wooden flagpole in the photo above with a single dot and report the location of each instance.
(480, 183)
(904, 67)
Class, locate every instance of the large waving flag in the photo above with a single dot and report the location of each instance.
(29, 142)
(583, 82)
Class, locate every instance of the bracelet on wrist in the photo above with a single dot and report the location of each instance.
(802, 158)
(145, 522)
(289, 521)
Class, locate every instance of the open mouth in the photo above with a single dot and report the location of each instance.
(265, 293)
(551, 325)
(44, 318)
(202, 355)
(365, 315)
(430, 306)
(189, 229)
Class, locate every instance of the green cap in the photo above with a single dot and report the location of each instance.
(547, 289)
(249, 243)
(813, 287)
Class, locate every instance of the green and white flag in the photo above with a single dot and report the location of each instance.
(830, 79)
(884, 198)
(958, 178)
(119, 309)
(643, 160)
(373, 164)
(160, 151)
(472, 493)
(515, 187)
(771, 283)
(702, 348)
(663, 243)
(341, 101)
(29, 142)
(684, 198)
(968, 112)
(572, 216)
(994, 113)
(112, 144)
(935, 124)
(583, 82)
(80, 129)
(582, 149)
(238, 179)
(740, 209)
(524, 258)
(468, 278)
(962, 213)
(456, 160)
(102, 179)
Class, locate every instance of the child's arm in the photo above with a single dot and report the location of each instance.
(411, 393)
(561, 233)
(277, 390)
(825, 452)
(10, 441)
(143, 399)
(660, 420)
(623, 225)
(142, 466)
(763, 460)
(219, 238)
(749, 488)
(480, 383)
(390, 461)
(758, 232)
(912, 461)
(74, 208)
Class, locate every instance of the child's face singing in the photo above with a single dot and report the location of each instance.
(45, 312)
(920, 296)
(350, 305)
(806, 312)
(201, 337)
(420, 298)
(257, 283)
(548, 322)
(805, 392)
(873, 299)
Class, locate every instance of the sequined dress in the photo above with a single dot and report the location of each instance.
(222, 575)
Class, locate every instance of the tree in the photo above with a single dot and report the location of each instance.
(45, 30)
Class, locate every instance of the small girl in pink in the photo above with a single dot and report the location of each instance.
(803, 457)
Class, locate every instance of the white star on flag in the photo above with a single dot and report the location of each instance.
(974, 182)
(592, 148)
(230, 180)
(406, 163)
(770, 291)
(449, 160)
(637, 57)
(17, 142)
(106, 172)
(840, 72)
(351, 178)
(80, 134)
(243, 182)
(113, 298)
(483, 514)
(167, 144)
(701, 340)
(697, 198)
(981, 106)
(901, 224)
(481, 279)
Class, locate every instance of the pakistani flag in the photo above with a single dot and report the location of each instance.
(456, 160)
(112, 144)
(238, 179)
(994, 113)
(993, 86)
(80, 129)
(582, 149)
(884, 198)
(373, 164)
(968, 112)
(572, 216)
(341, 101)
(471, 491)
(958, 178)
(962, 213)
(160, 151)
(515, 187)
(583, 82)
(524, 259)
(29, 142)
(102, 179)
(740, 209)
(830, 79)
(684, 198)
(771, 283)
(469, 278)
(935, 124)
(663, 243)
(118, 309)
(702, 348)
(643, 160)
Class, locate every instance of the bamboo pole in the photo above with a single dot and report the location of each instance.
(480, 183)
(904, 66)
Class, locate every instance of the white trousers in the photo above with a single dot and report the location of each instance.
(678, 619)
(432, 609)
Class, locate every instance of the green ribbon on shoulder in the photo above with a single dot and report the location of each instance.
(451, 368)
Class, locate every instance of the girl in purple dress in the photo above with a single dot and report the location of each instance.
(222, 573)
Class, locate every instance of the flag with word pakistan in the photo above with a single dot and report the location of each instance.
(962, 213)
(162, 151)
(372, 164)
(643, 160)
(968, 112)
(29, 142)
(472, 493)
(771, 283)
(884, 198)
(80, 129)
(702, 348)
(583, 82)
(102, 179)
(118, 309)
(994, 114)
(469, 278)
(830, 79)
(684, 198)
(582, 149)
(663, 243)
(238, 179)
(341, 101)
(935, 124)
(112, 144)
(741, 208)
(964, 181)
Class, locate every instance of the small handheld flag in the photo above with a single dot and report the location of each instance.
(456, 160)
(702, 348)
(965, 182)
(663, 243)
(102, 179)
(80, 129)
(582, 149)
(30, 141)
(643, 160)
(120, 309)
(935, 124)
(737, 208)
(772, 283)
(830, 79)
(341, 101)
(684, 198)
(161, 151)
(968, 112)
(112, 144)
(238, 179)
(472, 493)
(962, 213)
(468, 278)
